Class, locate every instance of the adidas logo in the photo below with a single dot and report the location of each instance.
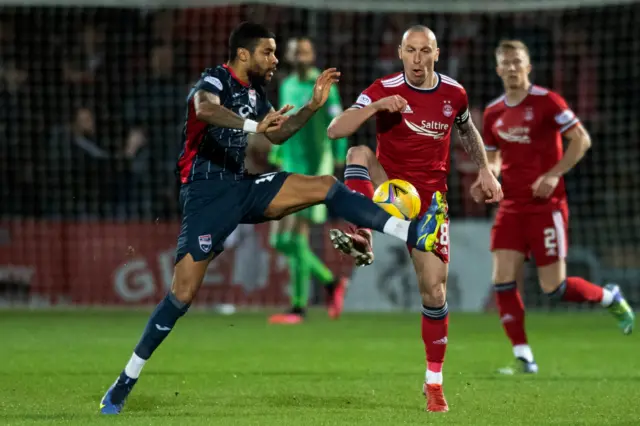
(442, 341)
(506, 318)
(407, 110)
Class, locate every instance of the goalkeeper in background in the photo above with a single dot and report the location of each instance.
(309, 152)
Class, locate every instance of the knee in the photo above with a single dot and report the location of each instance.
(548, 287)
(326, 182)
(433, 292)
(184, 289)
(504, 272)
(360, 155)
(503, 276)
(552, 276)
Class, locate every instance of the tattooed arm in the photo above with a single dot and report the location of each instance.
(472, 142)
(291, 126)
(209, 110)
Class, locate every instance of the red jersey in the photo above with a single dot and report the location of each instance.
(414, 144)
(529, 137)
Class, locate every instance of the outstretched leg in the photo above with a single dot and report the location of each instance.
(362, 174)
(547, 233)
(299, 192)
(559, 287)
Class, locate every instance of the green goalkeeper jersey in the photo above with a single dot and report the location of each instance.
(309, 151)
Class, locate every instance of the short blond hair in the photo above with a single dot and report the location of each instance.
(511, 45)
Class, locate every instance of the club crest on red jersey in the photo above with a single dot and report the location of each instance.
(252, 98)
(447, 109)
(528, 114)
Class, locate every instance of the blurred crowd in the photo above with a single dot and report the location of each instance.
(92, 101)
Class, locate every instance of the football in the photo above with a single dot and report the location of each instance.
(398, 198)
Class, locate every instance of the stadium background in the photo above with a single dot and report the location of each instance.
(92, 106)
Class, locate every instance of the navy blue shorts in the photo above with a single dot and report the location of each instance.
(212, 209)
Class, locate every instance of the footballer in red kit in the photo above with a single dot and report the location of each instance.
(415, 112)
(531, 135)
(523, 132)
(414, 145)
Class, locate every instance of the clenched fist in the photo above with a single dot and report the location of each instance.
(393, 103)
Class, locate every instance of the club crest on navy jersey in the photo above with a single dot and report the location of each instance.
(252, 98)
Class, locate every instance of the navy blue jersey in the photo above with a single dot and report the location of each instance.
(212, 152)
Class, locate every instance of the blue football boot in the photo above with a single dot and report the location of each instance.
(429, 225)
(113, 401)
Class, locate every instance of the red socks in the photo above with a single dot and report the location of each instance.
(511, 311)
(357, 178)
(435, 328)
(578, 290)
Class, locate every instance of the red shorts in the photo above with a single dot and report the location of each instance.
(441, 248)
(544, 234)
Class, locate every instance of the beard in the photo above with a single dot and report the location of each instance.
(257, 78)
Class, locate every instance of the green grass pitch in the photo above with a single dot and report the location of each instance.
(361, 370)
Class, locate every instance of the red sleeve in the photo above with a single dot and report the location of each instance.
(490, 142)
(370, 95)
(563, 118)
(463, 108)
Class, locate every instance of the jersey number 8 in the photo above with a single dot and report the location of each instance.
(444, 235)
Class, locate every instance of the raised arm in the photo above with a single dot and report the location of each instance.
(297, 120)
(209, 110)
(350, 120)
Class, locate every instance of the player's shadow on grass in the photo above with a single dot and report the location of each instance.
(156, 405)
(314, 374)
(300, 400)
(554, 378)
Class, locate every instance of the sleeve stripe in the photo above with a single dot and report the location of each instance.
(363, 174)
(490, 148)
(569, 125)
(463, 118)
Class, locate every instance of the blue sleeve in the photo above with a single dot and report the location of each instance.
(213, 84)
